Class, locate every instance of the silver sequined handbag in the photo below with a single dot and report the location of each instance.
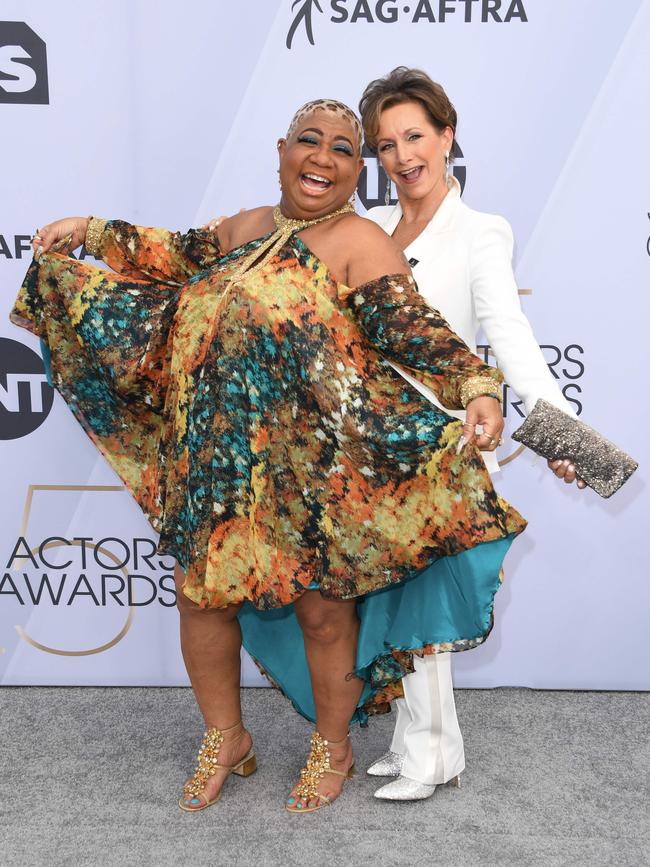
(554, 434)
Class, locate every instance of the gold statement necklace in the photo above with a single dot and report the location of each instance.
(285, 227)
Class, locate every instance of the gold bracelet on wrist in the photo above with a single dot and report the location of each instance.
(94, 234)
(479, 386)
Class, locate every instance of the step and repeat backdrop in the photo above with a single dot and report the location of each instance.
(168, 114)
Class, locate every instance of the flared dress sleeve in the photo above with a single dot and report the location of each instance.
(152, 253)
(406, 330)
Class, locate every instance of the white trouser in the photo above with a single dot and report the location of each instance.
(427, 733)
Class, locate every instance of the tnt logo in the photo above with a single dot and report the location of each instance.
(373, 180)
(23, 65)
(25, 396)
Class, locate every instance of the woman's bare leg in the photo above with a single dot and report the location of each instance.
(211, 645)
(330, 631)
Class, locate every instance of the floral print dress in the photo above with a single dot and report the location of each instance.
(266, 436)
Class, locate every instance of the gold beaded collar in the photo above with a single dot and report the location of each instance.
(285, 227)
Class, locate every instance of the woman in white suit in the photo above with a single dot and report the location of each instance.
(462, 262)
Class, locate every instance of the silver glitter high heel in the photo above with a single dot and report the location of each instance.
(389, 765)
(405, 789)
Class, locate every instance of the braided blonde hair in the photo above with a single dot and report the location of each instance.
(334, 107)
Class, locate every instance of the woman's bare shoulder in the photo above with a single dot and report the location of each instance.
(244, 227)
(360, 230)
(370, 252)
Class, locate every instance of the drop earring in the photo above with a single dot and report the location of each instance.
(387, 193)
(446, 163)
(353, 199)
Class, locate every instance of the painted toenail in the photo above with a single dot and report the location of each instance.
(299, 806)
(291, 801)
(195, 801)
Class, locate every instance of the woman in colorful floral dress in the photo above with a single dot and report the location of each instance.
(320, 509)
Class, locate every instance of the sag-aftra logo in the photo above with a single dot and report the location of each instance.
(306, 12)
(23, 65)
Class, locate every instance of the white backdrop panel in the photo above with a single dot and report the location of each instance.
(167, 114)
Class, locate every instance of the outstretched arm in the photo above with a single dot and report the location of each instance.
(400, 323)
(152, 253)
(136, 251)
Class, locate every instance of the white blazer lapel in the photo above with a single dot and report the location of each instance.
(427, 247)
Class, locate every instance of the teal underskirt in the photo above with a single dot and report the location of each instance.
(450, 601)
(47, 362)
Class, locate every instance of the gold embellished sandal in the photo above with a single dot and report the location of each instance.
(318, 764)
(207, 766)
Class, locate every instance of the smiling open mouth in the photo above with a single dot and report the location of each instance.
(412, 175)
(315, 183)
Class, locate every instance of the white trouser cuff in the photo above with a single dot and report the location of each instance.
(402, 721)
(427, 733)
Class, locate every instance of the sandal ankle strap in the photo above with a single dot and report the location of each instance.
(338, 773)
(237, 725)
(334, 743)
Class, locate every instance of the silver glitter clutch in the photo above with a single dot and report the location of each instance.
(553, 434)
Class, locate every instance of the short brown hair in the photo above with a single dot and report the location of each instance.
(404, 85)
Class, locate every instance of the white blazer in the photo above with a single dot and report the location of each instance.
(464, 270)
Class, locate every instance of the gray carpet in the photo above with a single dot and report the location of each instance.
(91, 777)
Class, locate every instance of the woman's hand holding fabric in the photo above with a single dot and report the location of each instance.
(486, 412)
(51, 233)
